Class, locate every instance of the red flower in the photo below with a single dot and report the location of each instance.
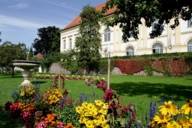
(108, 94)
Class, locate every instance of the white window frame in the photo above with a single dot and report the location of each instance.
(189, 46)
(64, 43)
(70, 43)
(157, 48)
(107, 35)
(130, 51)
(189, 23)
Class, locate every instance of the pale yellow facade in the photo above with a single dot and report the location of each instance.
(171, 41)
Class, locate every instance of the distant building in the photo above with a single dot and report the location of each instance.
(171, 41)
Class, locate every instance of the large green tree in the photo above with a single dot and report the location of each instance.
(48, 40)
(156, 13)
(89, 41)
(10, 52)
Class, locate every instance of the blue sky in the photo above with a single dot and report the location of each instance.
(20, 19)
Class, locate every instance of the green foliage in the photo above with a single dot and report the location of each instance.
(158, 56)
(148, 70)
(49, 59)
(68, 115)
(69, 61)
(89, 42)
(48, 40)
(10, 52)
(103, 65)
(156, 13)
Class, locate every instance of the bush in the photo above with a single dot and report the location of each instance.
(148, 70)
(129, 66)
(103, 65)
(175, 66)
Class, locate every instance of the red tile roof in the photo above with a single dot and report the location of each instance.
(77, 20)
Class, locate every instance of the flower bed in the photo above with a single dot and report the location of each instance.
(55, 109)
(67, 77)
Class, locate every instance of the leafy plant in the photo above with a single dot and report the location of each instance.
(148, 70)
(67, 114)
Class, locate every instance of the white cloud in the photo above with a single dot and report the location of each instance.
(62, 5)
(17, 22)
(19, 6)
(22, 23)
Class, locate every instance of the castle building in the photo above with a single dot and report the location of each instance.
(171, 41)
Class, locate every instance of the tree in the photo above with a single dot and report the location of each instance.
(89, 42)
(156, 13)
(0, 38)
(69, 61)
(10, 52)
(48, 40)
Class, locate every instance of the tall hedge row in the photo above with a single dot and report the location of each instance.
(176, 64)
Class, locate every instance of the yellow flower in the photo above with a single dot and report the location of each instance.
(161, 119)
(52, 96)
(89, 124)
(93, 114)
(187, 108)
(168, 109)
(173, 124)
(185, 123)
(98, 103)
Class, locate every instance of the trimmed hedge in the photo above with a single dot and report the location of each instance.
(176, 64)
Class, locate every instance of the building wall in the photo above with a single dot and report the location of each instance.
(171, 40)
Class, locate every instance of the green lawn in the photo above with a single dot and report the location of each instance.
(137, 90)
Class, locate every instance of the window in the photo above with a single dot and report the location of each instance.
(130, 51)
(189, 46)
(70, 43)
(157, 48)
(107, 34)
(64, 43)
(105, 52)
(189, 23)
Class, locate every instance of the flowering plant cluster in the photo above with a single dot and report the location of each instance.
(51, 121)
(67, 77)
(93, 114)
(27, 112)
(170, 116)
(27, 91)
(52, 96)
(22, 111)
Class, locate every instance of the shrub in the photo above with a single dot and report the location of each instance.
(103, 66)
(129, 66)
(176, 66)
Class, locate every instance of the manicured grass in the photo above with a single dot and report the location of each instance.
(137, 90)
(141, 90)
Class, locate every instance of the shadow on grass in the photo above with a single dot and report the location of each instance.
(166, 91)
(38, 82)
(7, 122)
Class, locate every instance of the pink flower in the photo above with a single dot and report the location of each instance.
(15, 106)
(60, 124)
(26, 115)
(41, 124)
(102, 85)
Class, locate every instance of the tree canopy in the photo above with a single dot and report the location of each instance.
(156, 13)
(0, 38)
(48, 40)
(89, 42)
(10, 52)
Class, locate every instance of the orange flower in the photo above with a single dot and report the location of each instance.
(69, 125)
(50, 117)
